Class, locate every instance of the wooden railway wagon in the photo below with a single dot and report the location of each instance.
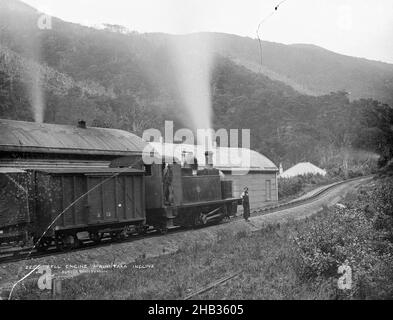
(96, 201)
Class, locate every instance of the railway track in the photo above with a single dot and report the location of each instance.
(30, 253)
(10, 255)
(314, 197)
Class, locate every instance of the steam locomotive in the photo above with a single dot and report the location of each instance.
(64, 206)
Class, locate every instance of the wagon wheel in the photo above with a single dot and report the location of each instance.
(43, 245)
(141, 230)
(114, 235)
(69, 242)
(96, 237)
(119, 236)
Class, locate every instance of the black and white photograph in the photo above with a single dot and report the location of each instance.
(195, 156)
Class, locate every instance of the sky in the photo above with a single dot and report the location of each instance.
(361, 28)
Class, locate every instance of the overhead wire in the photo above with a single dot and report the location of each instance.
(263, 21)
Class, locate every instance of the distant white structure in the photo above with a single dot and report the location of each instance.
(302, 169)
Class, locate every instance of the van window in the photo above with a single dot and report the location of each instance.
(148, 171)
(268, 190)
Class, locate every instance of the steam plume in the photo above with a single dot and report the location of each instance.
(192, 60)
(36, 95)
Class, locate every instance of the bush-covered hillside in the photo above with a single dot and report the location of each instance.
(126, 81)
(360, 236)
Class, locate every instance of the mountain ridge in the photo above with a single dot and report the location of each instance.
(301, 104)
(308, 68)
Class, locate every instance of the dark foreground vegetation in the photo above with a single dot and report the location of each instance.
(360, 235)
(297, 261)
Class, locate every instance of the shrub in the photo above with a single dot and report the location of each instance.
(360, 235)
(289, 187)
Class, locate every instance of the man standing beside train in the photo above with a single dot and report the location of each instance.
(246, 204)
(168, 189)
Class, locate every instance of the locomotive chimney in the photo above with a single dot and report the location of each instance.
(82, 124)
(209, 159)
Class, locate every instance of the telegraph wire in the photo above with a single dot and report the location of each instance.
(259, 28)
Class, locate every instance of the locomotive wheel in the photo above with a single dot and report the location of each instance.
(203, 219)
(196, 220)
(163, 231)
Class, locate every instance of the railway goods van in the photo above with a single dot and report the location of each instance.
(53, 206)
(96, 201)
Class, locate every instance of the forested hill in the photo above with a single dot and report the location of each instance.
(308, 68)
(126, 80)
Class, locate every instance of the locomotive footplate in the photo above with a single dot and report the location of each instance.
(203, 213)
(208, 203)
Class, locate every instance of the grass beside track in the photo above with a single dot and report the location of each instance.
(264, 259)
